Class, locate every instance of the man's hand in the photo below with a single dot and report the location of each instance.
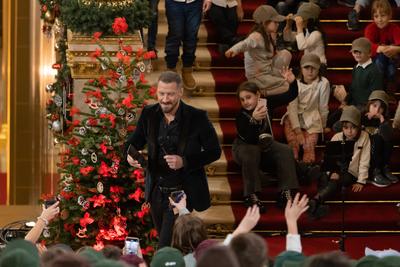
(249, 221)
(175, 162)
(133, 162)
(260, 113)
(357, 187)
(206, 5)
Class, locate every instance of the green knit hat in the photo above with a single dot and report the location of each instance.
(289, 259)
(91, 255)
(168, 257)
(366, 261)
(20, 253)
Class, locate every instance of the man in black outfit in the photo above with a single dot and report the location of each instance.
(180, 142)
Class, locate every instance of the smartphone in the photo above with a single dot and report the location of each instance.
(48, 203)
(132, 245)
(262, 102)
(177, 195)
(136, 155)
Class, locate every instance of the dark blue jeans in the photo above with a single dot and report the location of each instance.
(153, 29)
(183, 25)
(388, 66)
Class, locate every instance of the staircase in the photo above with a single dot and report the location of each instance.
(367, 213)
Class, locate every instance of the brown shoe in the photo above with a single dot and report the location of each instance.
(187, 77)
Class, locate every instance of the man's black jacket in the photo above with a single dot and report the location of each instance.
(198, 146)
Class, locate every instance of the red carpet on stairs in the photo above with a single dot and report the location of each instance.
(370, 217)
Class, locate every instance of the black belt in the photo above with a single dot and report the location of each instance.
(167, 190)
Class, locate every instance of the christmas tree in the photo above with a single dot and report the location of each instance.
(101, 196)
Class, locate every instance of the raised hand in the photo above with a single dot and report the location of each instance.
(287, 74)
(249, 221)
(295, 208)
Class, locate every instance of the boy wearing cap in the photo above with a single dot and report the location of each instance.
(262, 62)
(306, 115)
(366, 77)
(308, 35)
(380, 129)
(357, 172)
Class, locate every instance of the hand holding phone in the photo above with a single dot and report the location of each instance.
(262, 102)
(136, 155)
(177, 200)
(132, 245)
(177, 195)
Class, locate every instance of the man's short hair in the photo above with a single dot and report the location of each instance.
(170, 77)
(250, 250)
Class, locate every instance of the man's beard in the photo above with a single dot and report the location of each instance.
(169, 107)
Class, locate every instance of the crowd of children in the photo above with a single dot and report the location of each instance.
(362, 117)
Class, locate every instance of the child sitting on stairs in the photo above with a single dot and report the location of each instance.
(357, 172)
(379, 127)
(254, 148)
(306, 116)
(262, 61)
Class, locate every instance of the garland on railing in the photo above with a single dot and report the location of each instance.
(89, 16)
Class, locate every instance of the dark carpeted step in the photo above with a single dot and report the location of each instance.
(229, 132)
(369, 192)
(337, 56)
(336, 32)
(233, 167)
(227, 80)
(364, 217)
(334, 12)
(229, 106)
(354, 245)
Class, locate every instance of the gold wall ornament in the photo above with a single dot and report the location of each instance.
(80, 47)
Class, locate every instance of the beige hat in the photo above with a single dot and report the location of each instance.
(265, 13)
(308, 11)
(351, 114)
(310, 60)
(381, 95)
(361, 44)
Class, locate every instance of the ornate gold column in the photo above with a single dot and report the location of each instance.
(26, 157)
